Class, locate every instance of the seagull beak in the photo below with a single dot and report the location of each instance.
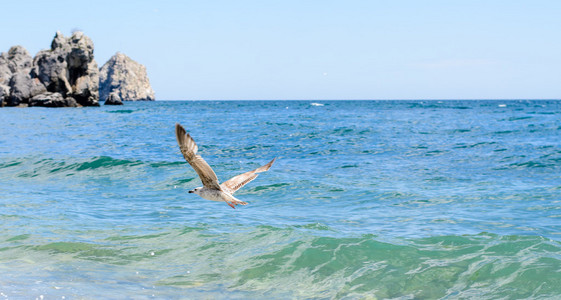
(191, 191)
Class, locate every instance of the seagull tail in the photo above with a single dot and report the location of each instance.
(235, 202)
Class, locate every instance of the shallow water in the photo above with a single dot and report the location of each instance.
(376, 199)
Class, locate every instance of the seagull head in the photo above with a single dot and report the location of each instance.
(196, 191)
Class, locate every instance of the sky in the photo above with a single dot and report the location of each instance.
(314, 49)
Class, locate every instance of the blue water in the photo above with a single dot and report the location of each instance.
(367, 199)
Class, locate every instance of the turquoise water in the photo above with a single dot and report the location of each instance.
(367, 199)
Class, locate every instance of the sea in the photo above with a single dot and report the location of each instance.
(366, 200)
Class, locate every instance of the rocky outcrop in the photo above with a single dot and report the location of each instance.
(67, 71)
(113, 99)
(124, 76)
(69, 68)
(67, 75)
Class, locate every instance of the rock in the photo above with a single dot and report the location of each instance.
(16, 61)
(49, 99)
(126, 77)
(51, 68)
(22, 88)
(19, 59)
(113, 99)
(69, 68)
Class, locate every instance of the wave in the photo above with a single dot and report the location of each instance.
(162, 175)
(548, 161)
(311, 261)
(533, 164)
(473, 145)
(33, 167)
(50, 167)
(120, 111)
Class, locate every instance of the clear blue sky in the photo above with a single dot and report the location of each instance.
(393, 49)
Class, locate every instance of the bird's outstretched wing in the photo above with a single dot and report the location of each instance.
(189, 150)
(235, 183)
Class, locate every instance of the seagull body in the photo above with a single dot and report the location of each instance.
(211, 189)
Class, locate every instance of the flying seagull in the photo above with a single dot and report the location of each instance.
(211, 189)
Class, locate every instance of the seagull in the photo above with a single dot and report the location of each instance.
(211, 189)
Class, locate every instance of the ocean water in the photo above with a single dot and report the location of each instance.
(367, 200)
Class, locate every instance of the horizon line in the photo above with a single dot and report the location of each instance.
(396, 99)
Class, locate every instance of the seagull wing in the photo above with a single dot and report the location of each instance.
(189, 150)
(235, 183)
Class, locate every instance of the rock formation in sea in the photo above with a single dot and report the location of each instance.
(124, 76)
(113, 99)
(65, 75)
(69, 68)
